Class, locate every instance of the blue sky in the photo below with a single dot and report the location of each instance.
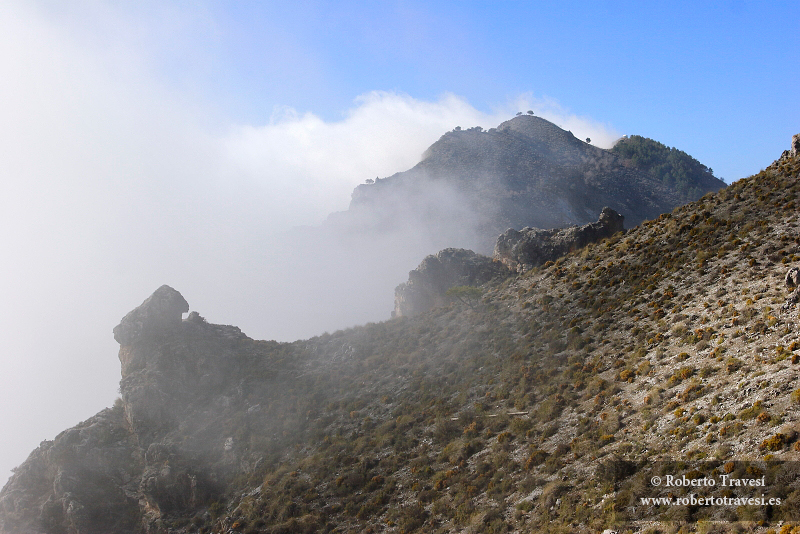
(153, 142)
(716, 79)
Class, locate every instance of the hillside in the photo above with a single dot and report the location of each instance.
(673, 167)
(474, 184)
(667, 342)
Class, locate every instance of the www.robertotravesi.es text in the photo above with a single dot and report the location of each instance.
(694, 500)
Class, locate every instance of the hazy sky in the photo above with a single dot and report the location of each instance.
(144, 143)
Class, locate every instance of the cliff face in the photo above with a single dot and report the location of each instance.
(162, 449)
(86, 480)
(527, 172)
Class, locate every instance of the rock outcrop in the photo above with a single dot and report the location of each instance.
(158, 315)
(792, 278)
(515, 251)
(793, 152)
(428, 284)
(128, 468)
(521, 250)
(792, 282)
(82, 482)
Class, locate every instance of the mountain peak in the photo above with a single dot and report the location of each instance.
(476, 183)
(535, 127)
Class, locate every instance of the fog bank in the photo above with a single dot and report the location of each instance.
(115, 183)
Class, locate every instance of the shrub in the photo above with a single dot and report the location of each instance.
(535, 458)
(752, 412)
(626, 375)
(680, 375)
(774, 443)
(763, 417)
(733, 364)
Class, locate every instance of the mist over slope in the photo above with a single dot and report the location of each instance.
(470, 186)
(674, 340)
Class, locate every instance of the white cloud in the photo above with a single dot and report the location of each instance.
(309, 167)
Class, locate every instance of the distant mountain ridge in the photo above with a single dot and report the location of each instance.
(525, 172)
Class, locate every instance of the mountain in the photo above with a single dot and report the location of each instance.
(473, 184)
(544, 405)
(470, 187)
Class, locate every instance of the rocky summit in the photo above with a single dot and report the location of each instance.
(536, 402)
(473, 184)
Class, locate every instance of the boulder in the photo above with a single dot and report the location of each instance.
(792, 281)
(792, 278)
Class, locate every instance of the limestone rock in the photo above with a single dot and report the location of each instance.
(523, 249)
(792, 278)
(130, 467)
(78, 483)
(792, 281)
(428, 283)
(159, 313)
(796, 145)
(168, 363)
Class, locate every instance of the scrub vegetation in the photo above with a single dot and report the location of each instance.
(665, 342)
(495, 413)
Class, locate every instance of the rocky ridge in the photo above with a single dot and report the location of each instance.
(666, 342)
(521, 250)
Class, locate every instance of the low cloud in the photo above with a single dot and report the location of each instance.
(309, 167)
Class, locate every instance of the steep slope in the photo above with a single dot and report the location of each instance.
(525, 172)
(668, 342)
